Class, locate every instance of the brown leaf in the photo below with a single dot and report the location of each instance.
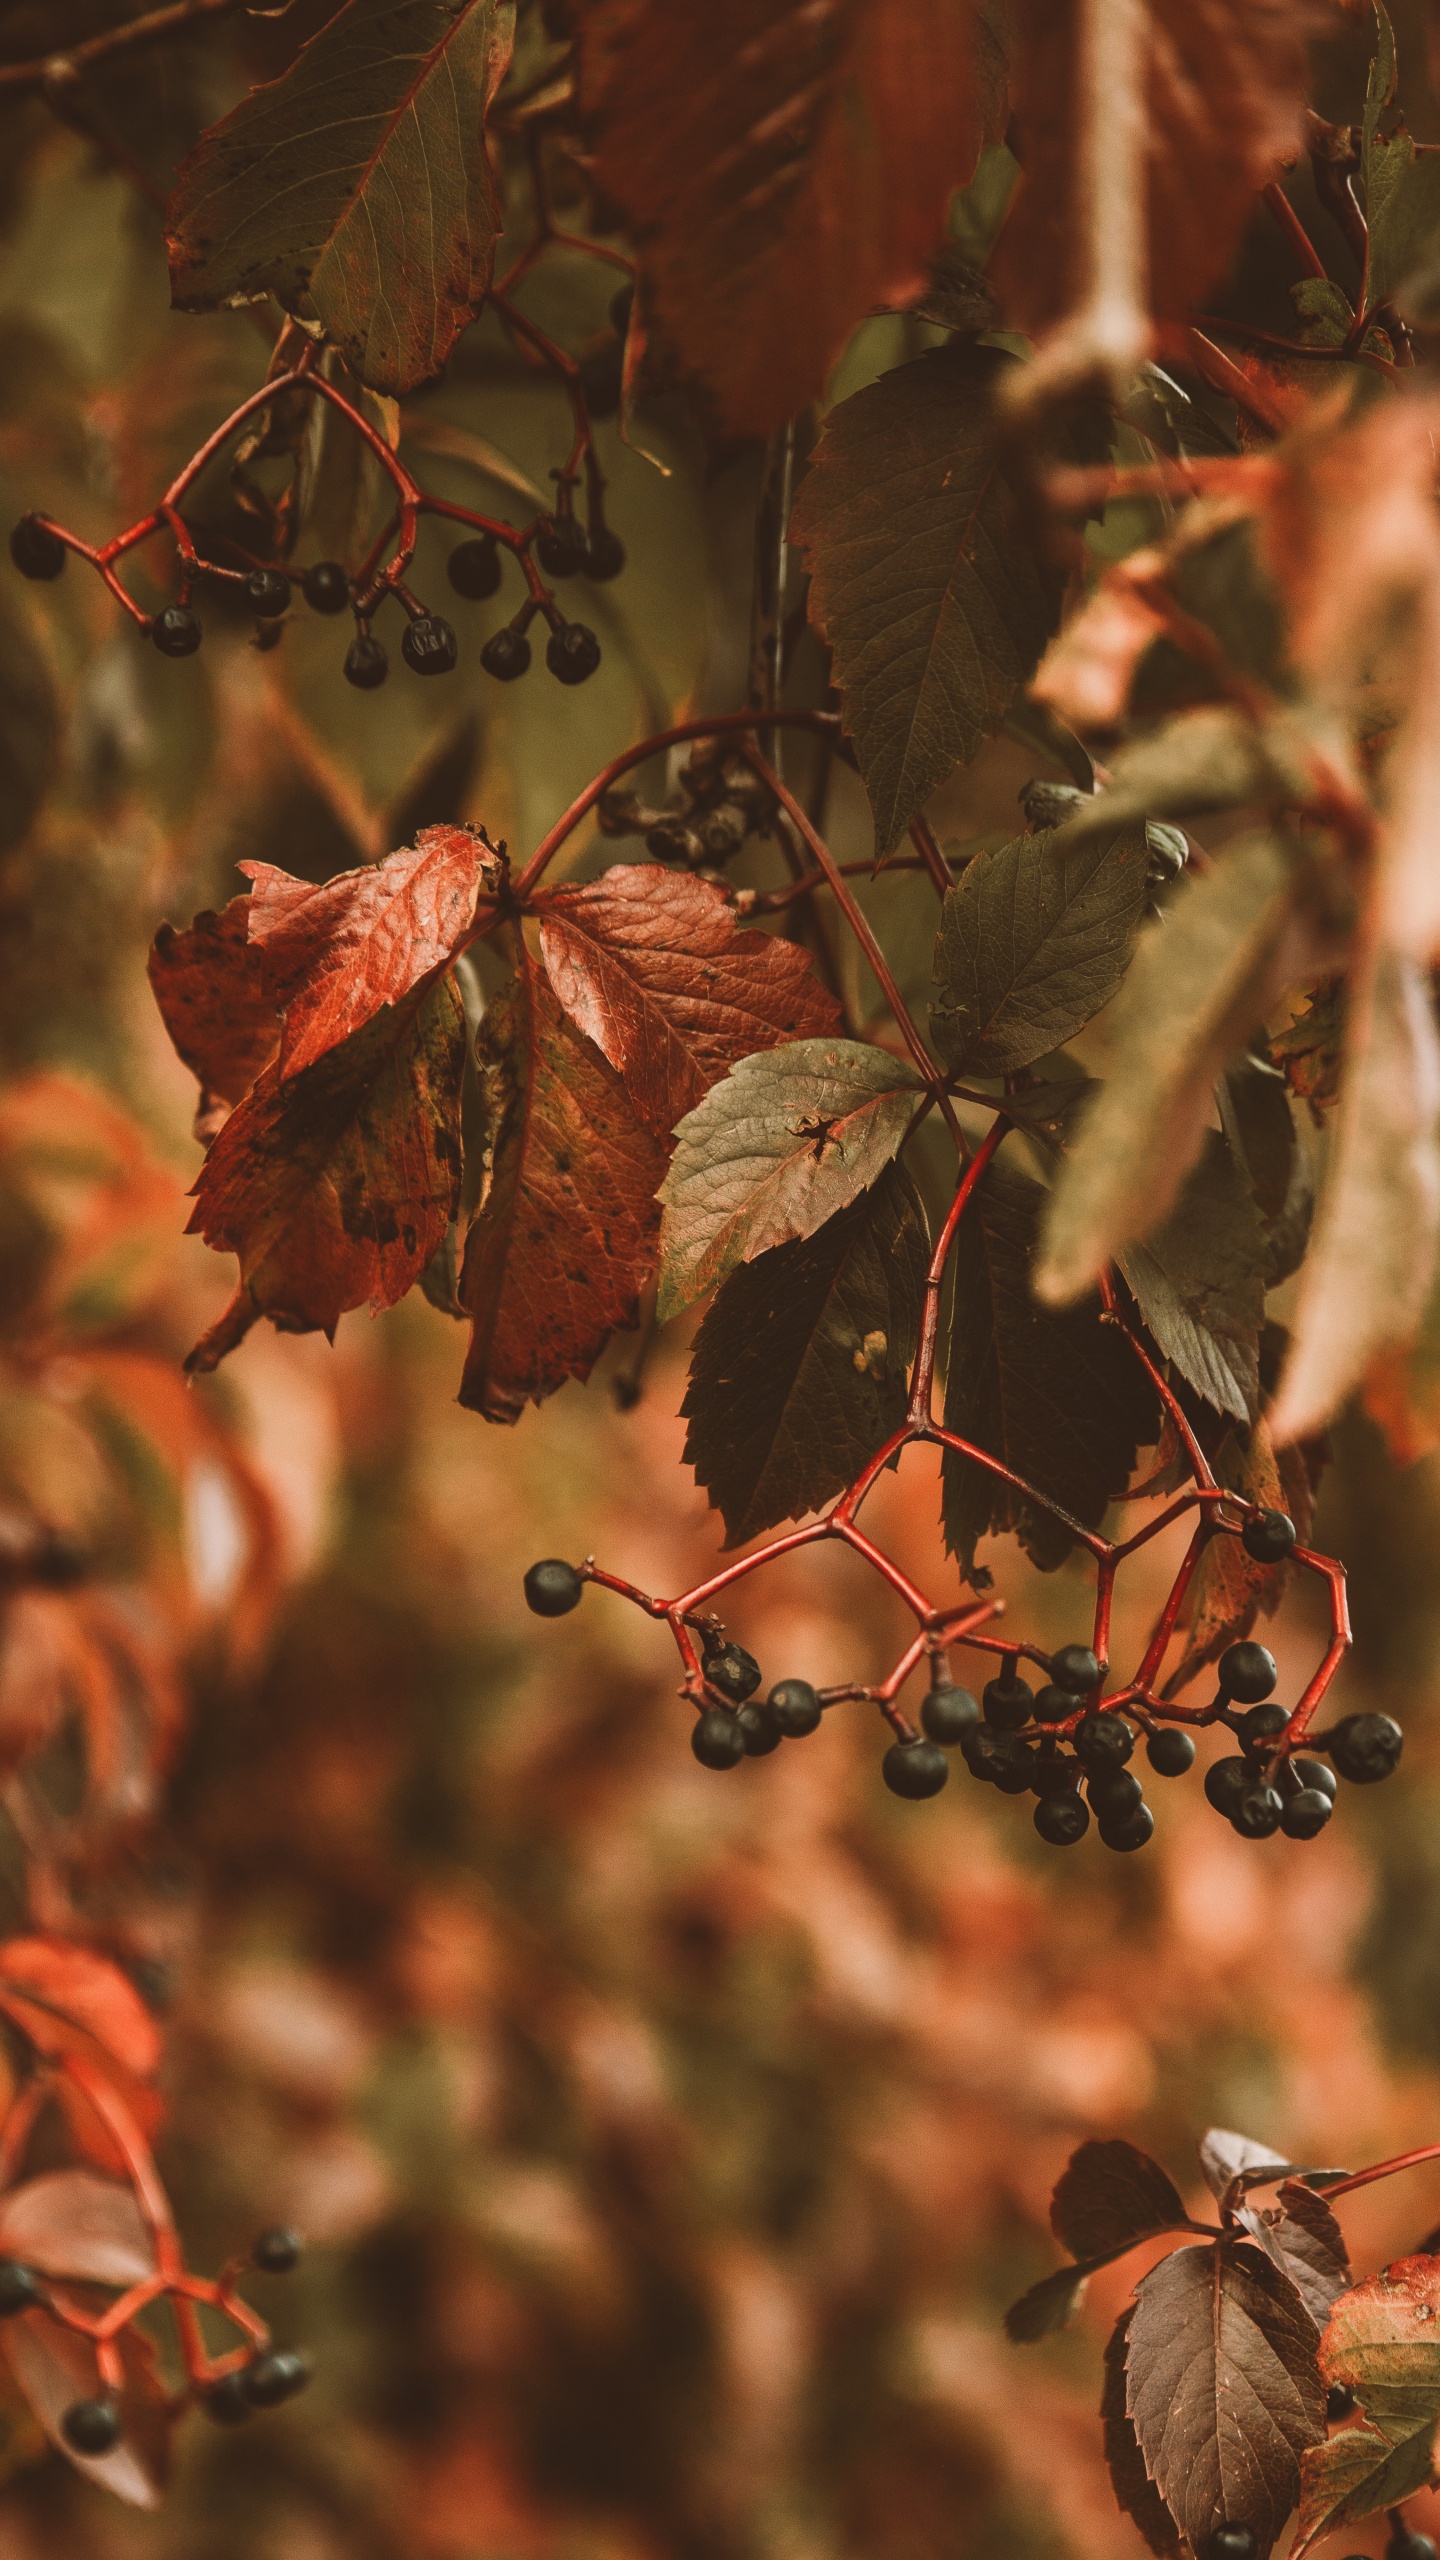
(1307, 2244)
(1135, 2492)
(1110, 2194)
(654, 969)
(1235, 2162)
(209, 985)
(70, 2223)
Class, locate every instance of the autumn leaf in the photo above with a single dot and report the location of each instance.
(1035, 939)
(654, 969)
(55, 2368)
(1198, 1281)
(935, 596)
(1109, 2195)
(71, 2224)
(566, 1238)
(1380, 2343)
(799, 1369)
(782, 1142)
(1306, 2243)
(1230, 1587)
(1135, 2492)
(1235, 2162)
(357, 189)
(785, 183)
(208, 982)
(70, 1986)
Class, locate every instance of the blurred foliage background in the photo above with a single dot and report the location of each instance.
(669, 2144)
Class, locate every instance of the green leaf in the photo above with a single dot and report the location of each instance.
(925, 576)
(1035, 939)
(357, 189)
(1356, 2474)
(1198, 1281)
(799, 1371)
(775, 1148)
(1402, 185)
(1060, 1399)
(1381, 2343)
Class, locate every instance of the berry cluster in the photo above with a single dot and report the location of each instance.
(721, 800)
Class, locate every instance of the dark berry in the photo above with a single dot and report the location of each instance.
(602, 377)
(1230, 2542)
(1226, 1782)
(19, 2288)
(795, 1707)
(1269, 1537)
(267, 636)
(572, 654)
(429, 647)
(1053, 1774)
(622, 303)
(1055, 1706)
(1062, 1820)
(1339, 2402)
(267, 593)
(1008, 1704)
(91, 2426)
(1015, 1777)
(1257, 1813)
(914, 1769)
(1314, 1773)
(275, 2377)
(35, 550)
(553, 1588)
(1170, 1751)
(227, 2401)
(1247, 1673)
(991, 1755)
(176, 634)
(604, 554)
(506, 655)
(474, 569)
(1074, 1667)
(762, 1733)
(716, 1739)
(1115, 1794)
(1366, 1748)
(560, 547)
(1128, 1830)
(1306, 1814)
(1104, 1742)
(366, 663)
(277, 2250)
(948, 1714)
(325, 587)
(733, 1671)
(1258, 1724)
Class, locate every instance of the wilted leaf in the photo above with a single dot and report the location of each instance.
(1135, 2492)
(565, 1239)
(800, 1367)
(1033, 942)
(1060, 1399)
(935, 597)
(1198, 1282)
(782, 184)
(782, 1142)
(653, 967)
(73, 1987)
(357, 189)
(1110, 2195)
(209, 985)
(1223, 2389)
(71, 2224)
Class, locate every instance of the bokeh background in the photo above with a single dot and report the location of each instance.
(669, 2144)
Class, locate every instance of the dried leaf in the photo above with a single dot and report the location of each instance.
(1033, 942)
(209, 986)
(1110, 2194)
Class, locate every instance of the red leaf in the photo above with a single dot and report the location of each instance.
(54, 2367)
(333, 954)
(208, 983)
(653, 967)
(567, 1235)
(784, 182)
(72, 2224)
(64, 1986)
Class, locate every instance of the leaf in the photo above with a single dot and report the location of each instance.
(799, 1370)
(1309, 1049)
(1200, 983)
(786, 182)
(1402, 187)
(75, 1988)
(1223, 2389)
(357, 189)
(782, 1142)
(1135, 2492)
(1047, 2306)
(1033, 942)
(566, 1237)
(1257, 1119)
(1356, 2474)
(1307, 2245)
(933, 593)
(1199, 1283)
(1230, 1588)
(1109, 2195)
(336, 1185)
(54, 2368)
(209, 985)
(1213, 757)
(335, 953)
(1060, 1399)
(1366, 1278)
(1381, 2342)
(70, 2223)
(1234, 2162)
(654, 969)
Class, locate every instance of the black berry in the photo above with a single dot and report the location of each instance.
(552, 1588)
(1339, 2402)
(1258, 1724)
(473, 569)
(1015, 1777)
(506, 655)
(275, 2377)
(1062, 1820)
(1052, 1774)
(366, 663)
(1366, 1748)
(762, 1733)
(267, 593)
(176, 634)
(1129, 1830)
(1008, 1704)
(1075, 1667)
(35, 550)
(1247, 1673)
(948, 1714)
(604, 554)
(992, 1756)
(1314, 1773)
(429, 647)
(572, 654)
(1306, 1814)
(1054, 1705)
(560, 548)
(1104, 1742)
(716, 1739)
(91, 2426)
(325, 587)
(277, 2250)
(19, 2288)
(1170, 1751)
(622, 303)
(1230, 2542)
(733, 1671)
(1257, 1813)
(795, 1707)
(914, 1769)
(1115, 1794)
(227, 2401)
(602, 377)
(1269, 1537)
(1226, 1782)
